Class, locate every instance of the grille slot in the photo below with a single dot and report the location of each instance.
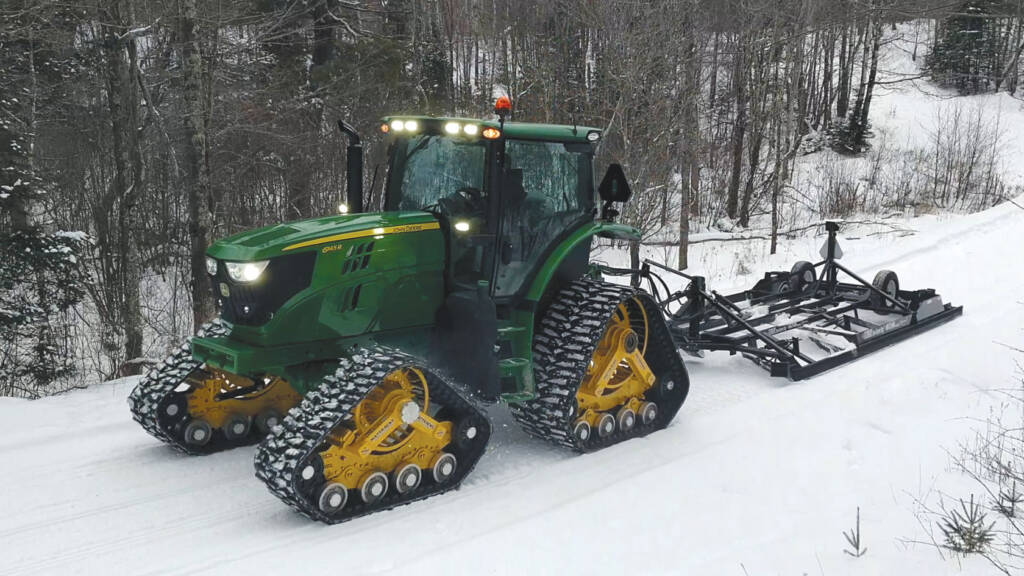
(350, 299)
(357, 258)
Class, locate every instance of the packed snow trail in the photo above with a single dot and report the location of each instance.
(756, 475)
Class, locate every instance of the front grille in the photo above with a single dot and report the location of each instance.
(255, 303)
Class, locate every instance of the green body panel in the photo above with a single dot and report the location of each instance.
(305, 364)
(272, 241)
(400, 288)
(399, 291)
(517, 130)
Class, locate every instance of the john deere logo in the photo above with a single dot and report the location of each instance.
(224, 290)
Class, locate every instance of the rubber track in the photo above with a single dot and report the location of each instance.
(150, 395)
(565, 342)
(303, 432)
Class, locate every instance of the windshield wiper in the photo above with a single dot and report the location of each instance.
(419, 146)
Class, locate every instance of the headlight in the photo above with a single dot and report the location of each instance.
(211, 266)
(246, 271)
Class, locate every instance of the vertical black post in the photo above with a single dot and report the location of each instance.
(353, 168)
(695, 294)
(832, 272)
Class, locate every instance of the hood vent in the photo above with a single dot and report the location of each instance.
(357, 258)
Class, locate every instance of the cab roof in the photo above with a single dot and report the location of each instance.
(517, 130)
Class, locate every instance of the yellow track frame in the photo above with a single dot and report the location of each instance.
(618, 374)
(211, 383)
(393, 426)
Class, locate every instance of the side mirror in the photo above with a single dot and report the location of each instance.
(614, 188)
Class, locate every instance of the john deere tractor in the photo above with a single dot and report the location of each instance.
(361, 349)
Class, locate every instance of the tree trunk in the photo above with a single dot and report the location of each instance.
(196, 182)
(128, 178)
(865, 111)
(738, 132)
(690, 161)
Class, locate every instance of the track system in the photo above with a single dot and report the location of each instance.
(606, 369)
(383, 431)
(201, 410)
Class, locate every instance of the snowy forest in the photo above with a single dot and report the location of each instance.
(134, 132)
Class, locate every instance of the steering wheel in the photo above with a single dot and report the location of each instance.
(470, 193)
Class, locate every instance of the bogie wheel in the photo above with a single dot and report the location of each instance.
(407, 478)
(887, 282)
(198, 432)
(582, 430)
(602, 353)
(802, 275)
(237, 427)
(266, 421)
(374, 487)
(333, 498)
(444, 468)
(648, 413)
(605, 425)
(626, 419)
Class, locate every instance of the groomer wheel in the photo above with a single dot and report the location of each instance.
(885, 281)
(802, 276)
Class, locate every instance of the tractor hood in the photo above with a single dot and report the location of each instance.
(308, 235)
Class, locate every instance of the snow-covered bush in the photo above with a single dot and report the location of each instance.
(40, 283)
(987, 522)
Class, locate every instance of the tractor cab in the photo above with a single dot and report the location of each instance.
(505, 193)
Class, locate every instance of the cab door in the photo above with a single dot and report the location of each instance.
(547, 192)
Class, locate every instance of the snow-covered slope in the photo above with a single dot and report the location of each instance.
(756, 476)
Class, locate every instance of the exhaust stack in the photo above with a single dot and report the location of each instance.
(353, 168)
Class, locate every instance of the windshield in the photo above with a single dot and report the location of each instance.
(427, 169)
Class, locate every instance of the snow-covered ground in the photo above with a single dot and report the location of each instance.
(756, 476)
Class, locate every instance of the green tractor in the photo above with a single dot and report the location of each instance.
(362, 349)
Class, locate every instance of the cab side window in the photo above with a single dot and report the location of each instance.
(547, 189)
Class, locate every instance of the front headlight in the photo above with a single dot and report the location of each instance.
(211, 266)
(246, 271)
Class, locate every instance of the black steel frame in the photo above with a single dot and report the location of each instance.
(752, 322)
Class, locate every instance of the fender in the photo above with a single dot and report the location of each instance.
(585, 233)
